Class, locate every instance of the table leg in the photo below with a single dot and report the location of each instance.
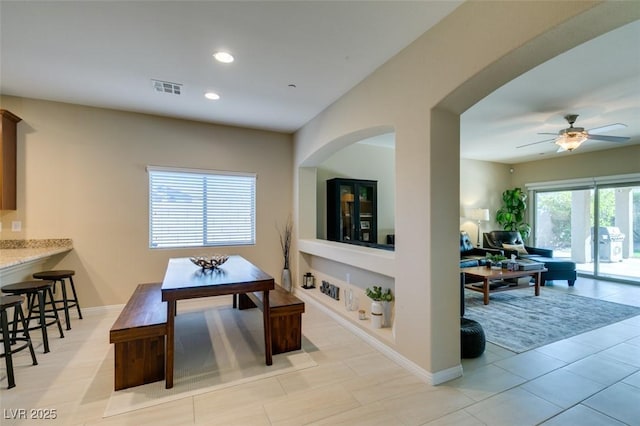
(537, 278)
(266, 315)
(168, 368)
(485, 291)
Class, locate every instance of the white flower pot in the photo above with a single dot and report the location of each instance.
(376, 314)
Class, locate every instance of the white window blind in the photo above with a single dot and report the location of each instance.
(197, 208)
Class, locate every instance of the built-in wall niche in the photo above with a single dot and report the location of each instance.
(368, 159)
(354, 281)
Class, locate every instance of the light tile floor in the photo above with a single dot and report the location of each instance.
(590, 379)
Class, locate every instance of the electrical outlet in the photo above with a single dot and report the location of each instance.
(16, 226)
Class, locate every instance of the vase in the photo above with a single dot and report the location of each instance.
(350, 301)
(386, 313)
(376, 314)
(286, 280)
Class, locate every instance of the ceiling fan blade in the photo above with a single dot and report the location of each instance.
(607, 128)
(535, 143)
(555, 134)
(608, 138)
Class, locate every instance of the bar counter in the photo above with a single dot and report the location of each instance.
(18, 252)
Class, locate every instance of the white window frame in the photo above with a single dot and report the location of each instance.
(201, 208)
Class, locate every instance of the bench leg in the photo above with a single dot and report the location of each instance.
(168, 373)
(266, 317)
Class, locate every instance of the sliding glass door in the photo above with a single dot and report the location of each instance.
(564, 220)
(618, 237)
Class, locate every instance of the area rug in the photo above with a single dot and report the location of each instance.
(519, 321)
(216, 348)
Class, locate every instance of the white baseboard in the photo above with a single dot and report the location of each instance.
(95, 310)
(424, 375)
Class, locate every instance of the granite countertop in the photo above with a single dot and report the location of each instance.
(16, 252)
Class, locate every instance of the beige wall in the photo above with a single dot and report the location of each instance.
(81, 175)
(576, 165)
(481, 186)
(420, 93)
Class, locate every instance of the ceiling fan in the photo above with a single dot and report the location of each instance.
(572, 137)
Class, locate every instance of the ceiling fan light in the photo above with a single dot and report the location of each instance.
(571, 140)
(224, 57)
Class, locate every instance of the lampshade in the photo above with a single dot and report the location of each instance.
(573, 139)
(479, 214)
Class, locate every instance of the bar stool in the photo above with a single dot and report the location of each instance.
(14, 302)
(59, 277)
(40, 289)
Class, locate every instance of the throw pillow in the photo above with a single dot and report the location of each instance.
(518, 247)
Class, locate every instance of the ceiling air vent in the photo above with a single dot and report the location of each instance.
(167, 87)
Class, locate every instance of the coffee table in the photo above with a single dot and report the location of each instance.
(489, 275)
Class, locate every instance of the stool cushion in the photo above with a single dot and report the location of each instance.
(53, 275)
(27, 287)
(472, 339)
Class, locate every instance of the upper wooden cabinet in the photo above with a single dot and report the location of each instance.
(8, 136)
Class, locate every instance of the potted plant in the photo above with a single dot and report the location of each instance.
(285, 244)
(380, 306)
(512, 213)
(495, 260)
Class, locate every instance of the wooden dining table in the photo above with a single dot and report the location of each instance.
(185, 280)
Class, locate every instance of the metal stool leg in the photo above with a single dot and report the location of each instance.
(43, 321)
(7, 348)
(25, 328)
(65, 302)
(42, 310)
(75, 297)
(55, 311)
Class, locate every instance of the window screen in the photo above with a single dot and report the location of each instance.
(197, 208)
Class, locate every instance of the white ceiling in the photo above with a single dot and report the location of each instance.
(106, 53)
(599, 80)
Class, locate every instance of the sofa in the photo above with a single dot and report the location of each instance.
(471, 255)
(511, 242)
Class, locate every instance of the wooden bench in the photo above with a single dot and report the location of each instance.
(286, 317)
(139, 337)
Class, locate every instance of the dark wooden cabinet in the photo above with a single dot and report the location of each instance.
(352, 215)
(8, 136)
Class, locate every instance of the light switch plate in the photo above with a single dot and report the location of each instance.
(16, 226)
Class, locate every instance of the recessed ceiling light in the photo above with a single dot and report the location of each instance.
(212, 96)
(223, 57)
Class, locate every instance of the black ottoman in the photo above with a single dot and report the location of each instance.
(472, 339)
(558, 269)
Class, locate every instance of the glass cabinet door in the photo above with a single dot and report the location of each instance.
(366, 212)
(347, 213)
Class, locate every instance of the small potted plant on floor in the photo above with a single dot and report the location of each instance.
(380, 306)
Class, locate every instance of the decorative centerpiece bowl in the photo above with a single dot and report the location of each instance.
(209, 262)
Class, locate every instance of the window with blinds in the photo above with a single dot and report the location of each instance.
(199, 208)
